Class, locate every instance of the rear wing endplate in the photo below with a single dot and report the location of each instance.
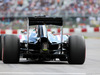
(45, 21)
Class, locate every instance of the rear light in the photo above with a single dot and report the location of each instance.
(45, 46)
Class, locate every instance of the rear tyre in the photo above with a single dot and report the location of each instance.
(76, 53)
(11, 49)
(0, 47)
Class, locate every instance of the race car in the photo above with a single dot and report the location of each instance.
(41, 45)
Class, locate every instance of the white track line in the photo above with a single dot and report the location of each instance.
(32, 73)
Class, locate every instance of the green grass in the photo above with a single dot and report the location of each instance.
(85, 37)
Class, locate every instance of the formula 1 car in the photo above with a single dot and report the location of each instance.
(41, 45)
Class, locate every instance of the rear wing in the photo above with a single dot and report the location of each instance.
(45, 21)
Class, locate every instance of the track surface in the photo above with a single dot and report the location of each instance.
(90, 67)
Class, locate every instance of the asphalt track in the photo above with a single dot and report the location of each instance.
(90, 67)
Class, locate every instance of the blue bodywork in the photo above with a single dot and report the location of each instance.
(52, 38)
(33, 37)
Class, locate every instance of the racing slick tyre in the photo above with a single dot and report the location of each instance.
(76, 53)
(0, 47)
(11, 49)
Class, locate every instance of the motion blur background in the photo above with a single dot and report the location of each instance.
(76, 13)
